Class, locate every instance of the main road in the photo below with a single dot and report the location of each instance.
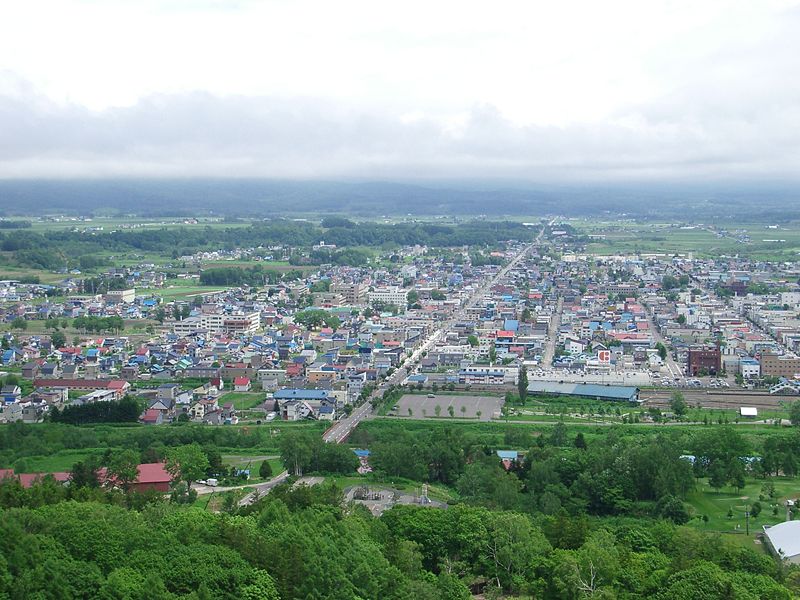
(338, 432)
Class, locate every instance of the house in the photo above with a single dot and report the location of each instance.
(10, 393)
(241, 384)
(152, 417)
(30, 370)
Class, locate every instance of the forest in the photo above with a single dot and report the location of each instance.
(50, 250)
(584, 514)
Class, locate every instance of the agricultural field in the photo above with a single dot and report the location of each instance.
(703, 240)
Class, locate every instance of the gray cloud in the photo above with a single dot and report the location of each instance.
(713, 126)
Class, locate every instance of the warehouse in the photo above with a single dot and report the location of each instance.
(618, 393)
(784, 540)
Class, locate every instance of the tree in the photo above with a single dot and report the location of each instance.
(187, 463)
(265, 470)
(315, 318)
(19, 323)
(437, 410)
(794, 413)
(472, 340)
(558, 437)
(451, 411)
(580, 441)
(681, 319)
(463, 410)
(522, 384)
(662, 351)
(123, 468)
(58, 339)
(492, 354)
(717, 476)
(678, 404)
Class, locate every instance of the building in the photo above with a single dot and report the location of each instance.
(389, 295)
(119, 386)
(120, 296)
(749, 368)
(219, 322)
(617, 393)
(703, 360)
(352, 293)
(776, 365)
(783, 540)
(241, 384)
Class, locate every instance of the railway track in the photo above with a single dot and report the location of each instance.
(716, 399)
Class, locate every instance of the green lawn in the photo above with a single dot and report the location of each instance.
(57, 462)
(242, 400)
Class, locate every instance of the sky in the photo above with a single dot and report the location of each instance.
(574, 90)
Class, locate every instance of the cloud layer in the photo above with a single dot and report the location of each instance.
(714, 95)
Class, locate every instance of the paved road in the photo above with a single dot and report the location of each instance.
(675, 370)
(263, 488)
(552, 335)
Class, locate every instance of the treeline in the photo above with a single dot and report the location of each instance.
(55, 249)
(250, 276)
(126, 410)
(305, 542)
(6, 224)
(20, 440)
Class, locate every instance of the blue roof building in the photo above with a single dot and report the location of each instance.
(619, 393)
(301, 394)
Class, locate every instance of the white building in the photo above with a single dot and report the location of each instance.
(749, 368)
(389, 295)
(783, 539)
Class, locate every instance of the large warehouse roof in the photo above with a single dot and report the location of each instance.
(784, 538)
(585, 390)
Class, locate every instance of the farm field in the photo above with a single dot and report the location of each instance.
(703, 240)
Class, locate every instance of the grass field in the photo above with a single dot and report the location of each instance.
(242, 400)
(716, 504)
(56, 462)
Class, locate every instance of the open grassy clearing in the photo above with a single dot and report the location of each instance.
(242, 400)
(716, 505)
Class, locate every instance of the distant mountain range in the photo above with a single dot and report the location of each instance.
(262, 198)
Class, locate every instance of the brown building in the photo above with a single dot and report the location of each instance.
(703, 359)
(778, 365)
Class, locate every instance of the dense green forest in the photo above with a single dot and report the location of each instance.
(585, 514)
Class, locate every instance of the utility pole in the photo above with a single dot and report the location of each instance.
(747, 519)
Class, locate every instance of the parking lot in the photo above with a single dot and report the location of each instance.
(464, 406)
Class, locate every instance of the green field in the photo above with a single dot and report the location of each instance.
(704, 240)
(715, 505)
(242, 400)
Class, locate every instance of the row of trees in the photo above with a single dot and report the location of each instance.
(92, 324)
(126, 410)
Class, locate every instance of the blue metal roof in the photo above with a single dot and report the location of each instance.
(301, 394)
(591, 390)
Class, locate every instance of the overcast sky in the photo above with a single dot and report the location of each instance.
(566, 90)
